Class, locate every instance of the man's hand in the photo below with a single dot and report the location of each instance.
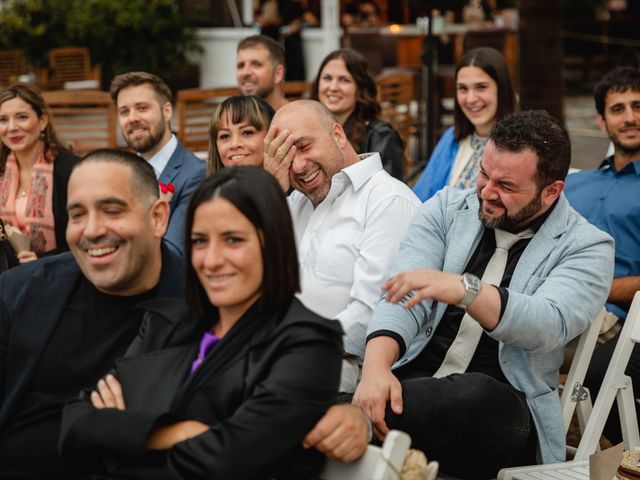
(342, 433)
(109, 394)
(164, 438)
(26, 256)
(279, 152)
(424, 284)
(376, 388)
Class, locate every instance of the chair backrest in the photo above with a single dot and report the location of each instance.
(194, 109)
(573, 392)
(377, 463)
(296, 90)
(71, 64)
(83, 120)
(396, 91)
(12, 64)
(616, 386)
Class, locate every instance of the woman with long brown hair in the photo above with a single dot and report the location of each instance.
(346, 87)
(34, 171)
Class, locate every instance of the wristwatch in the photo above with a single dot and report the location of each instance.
(471, 289)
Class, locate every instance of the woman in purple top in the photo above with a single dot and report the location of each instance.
(228, 385)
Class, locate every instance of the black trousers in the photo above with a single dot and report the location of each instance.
(471, 423)
(595, 376)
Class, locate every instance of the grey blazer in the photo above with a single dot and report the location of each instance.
(560, 283)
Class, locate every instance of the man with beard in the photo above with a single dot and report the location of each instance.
(143, 102)
(260, 69)
(469, 367)
(609, 197)
(64, 319)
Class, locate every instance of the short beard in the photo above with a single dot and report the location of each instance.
(630, 151)
(151, 142)
(510, 223)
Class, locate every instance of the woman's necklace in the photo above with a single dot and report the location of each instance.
(23, 192)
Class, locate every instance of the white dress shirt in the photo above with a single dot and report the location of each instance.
(162, 157)
(348, 243)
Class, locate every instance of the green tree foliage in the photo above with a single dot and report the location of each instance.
(122, 35)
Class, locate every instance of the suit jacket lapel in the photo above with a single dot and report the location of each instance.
(464, 236)
(541, 246)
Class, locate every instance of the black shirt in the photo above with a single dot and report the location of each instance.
(94, 329)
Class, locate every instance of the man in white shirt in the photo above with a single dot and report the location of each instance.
(143, 102)
(349, 216)
(260, 69)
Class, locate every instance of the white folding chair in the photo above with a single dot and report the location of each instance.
(378, 463)
(615, 386)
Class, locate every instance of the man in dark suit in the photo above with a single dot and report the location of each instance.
(144, 107)
(65, 318)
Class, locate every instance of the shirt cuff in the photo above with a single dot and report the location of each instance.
(394, 335)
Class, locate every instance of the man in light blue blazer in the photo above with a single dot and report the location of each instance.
(493, 402)
(143, 102)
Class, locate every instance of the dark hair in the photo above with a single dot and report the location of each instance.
(31, 95)
(145, 185)
(250, 108)
(541, 133)
(276, 52)
(618, 80)
(258, 196)
(367, 106)
(129, 79)
(493, 64)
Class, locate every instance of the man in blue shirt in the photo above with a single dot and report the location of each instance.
(609, 197)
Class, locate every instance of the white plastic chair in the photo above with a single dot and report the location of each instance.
(378, 463)
(615, 386)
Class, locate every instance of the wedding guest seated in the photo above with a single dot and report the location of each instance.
(228, 386)
(345, 86)
(34, 171)
(484, 95)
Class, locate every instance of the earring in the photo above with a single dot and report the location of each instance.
(42, 135)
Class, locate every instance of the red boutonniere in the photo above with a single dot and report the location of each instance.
(166, 191)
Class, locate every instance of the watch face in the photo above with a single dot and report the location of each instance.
(472, 282)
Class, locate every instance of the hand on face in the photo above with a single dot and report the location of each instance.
(279, 152)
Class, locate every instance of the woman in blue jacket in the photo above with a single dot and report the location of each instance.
(484, 95)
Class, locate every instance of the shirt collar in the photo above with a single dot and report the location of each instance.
(361, 171)
(607, 164)
(161, 158)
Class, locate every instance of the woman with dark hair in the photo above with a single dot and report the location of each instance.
(34, 171)
(230, 386)
(237, 132)
(484, 95)
(346, 87)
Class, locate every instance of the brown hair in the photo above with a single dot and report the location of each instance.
(367, 106)
(493, 64)
(276, 52)
(255, 110)
(31, 95)
(162, 91)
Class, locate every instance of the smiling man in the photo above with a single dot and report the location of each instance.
(464, 350)
(66, 318)
(143, 102)
(348, 214)
(609, 197)
(260, 69)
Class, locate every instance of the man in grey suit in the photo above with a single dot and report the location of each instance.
(469, 367)
(144, 107)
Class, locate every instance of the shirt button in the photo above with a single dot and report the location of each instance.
(429, 330)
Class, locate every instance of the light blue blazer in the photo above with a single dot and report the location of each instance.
(185, 171)
(560, 283)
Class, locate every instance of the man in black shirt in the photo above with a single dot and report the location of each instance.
(66, 318)
(469, 367)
